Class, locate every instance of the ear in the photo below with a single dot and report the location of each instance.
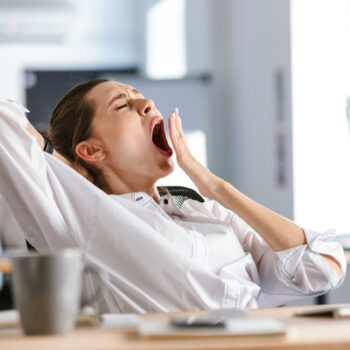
(90, 152)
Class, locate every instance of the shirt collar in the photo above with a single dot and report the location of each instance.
(166, 203)
(135, 196)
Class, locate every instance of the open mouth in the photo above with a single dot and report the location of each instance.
(159, 139)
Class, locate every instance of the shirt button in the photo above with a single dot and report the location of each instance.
(165, 201)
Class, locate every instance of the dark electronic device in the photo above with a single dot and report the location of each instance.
(197, 322)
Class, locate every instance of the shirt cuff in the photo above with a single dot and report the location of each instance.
(316, 244)
(324, 243)
(17, 110)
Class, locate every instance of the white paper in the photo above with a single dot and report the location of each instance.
(119, 320)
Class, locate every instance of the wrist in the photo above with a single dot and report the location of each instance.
(217, 187)
(48, 146)
(40, 139)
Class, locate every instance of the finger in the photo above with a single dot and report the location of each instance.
(171, 121)
(176, 132)
(172, 126)
(172, 130)
(180, 131)
(178, 122)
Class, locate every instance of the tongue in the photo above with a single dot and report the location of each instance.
(167, 153)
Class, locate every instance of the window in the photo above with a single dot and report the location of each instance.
(165, 43)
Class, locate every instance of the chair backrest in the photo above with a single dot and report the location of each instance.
(180, 194)
(30, 247)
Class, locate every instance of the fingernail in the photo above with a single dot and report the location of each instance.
(177, 110)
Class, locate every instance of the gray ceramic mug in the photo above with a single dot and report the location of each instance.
(47, 290)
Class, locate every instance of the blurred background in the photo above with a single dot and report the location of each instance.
(263, 86)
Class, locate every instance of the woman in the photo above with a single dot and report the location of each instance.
(158, 254)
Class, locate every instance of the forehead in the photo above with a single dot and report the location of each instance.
(105, 91)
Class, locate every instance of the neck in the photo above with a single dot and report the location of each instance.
(115, 184)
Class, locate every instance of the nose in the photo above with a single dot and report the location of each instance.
(145, 107)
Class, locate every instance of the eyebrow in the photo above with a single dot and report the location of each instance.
(115, 98)
(122, 95)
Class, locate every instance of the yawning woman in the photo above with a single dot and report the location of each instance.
(160, 248)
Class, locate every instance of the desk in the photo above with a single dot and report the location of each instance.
(5, 266)
(304, 333)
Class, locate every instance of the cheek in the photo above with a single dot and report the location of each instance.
(127, 143)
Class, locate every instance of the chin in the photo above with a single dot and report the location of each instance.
(166, 167)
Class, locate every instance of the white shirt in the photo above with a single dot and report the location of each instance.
(11, 234)
(153, 257)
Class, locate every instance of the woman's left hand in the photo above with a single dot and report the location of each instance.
(205, 181)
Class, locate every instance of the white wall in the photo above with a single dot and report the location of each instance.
(321, 85)
(102, 34)
(244, 45)
(199, 39)
(256, 53)
(220, 154)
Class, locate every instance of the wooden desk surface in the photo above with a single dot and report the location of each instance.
(5, 266)
(303, 333)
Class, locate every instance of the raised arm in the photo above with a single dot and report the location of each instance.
(40, 139)
(31, 129)
(277, 231)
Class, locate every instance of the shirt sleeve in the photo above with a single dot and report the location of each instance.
(294, 273)
(27, 183)
(11, 236)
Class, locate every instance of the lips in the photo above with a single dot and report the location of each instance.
(159, 137)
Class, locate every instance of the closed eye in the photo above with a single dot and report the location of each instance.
(120, 107)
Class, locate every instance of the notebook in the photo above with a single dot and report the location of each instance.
(334, 311)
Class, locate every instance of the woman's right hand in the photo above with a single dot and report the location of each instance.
(205, 181)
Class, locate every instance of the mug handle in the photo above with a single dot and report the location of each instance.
(99, 290)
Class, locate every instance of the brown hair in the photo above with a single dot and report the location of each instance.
(71, 123)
